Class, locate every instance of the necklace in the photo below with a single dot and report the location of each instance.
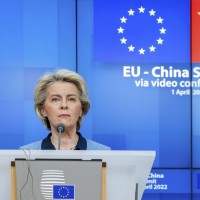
(55, 144)
(64, 148)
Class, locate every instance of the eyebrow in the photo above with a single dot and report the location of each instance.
(58, 95)
(69, 95)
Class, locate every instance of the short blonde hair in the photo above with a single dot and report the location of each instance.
(63, 75)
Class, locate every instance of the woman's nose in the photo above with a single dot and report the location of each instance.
(64, 105)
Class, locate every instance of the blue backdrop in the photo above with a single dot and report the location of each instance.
(97, 38)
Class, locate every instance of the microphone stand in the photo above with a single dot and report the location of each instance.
(59, 136)
(60, 128)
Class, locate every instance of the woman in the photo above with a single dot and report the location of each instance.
(62, 98)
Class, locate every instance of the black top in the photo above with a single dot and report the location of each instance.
(47, 145)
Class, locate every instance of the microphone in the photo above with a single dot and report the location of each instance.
(60, 128)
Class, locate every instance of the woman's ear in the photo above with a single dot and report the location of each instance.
(43, 112)
(81, 113)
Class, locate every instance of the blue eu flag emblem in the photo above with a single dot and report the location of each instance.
(63, 192)
(141, 31)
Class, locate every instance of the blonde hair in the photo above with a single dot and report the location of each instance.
(63, 75)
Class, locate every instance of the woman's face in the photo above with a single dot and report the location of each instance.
(62, 105)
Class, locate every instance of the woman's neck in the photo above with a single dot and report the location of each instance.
(68, 140)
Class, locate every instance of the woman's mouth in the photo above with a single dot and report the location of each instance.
(64, 116)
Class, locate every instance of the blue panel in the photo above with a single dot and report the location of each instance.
(11, 41)
(12, 120)
(49, 33)
(84, 56)
(11, 140)
(66, 34)
(175, 115)
(36, 37)
(196, 184)
(12, 82)
(141, 30)
(170, 184)
(167, 197)
(121, 109)
(195, 120)
(126, 116)
(196, 150)
(40, 33)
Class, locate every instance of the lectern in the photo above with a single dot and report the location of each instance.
(123, 173)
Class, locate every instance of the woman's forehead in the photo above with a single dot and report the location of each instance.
(62, 88)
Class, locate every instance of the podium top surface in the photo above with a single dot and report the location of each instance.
(112, 156)
(81, 152)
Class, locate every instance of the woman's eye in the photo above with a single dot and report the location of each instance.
(72, 99)
(55, 99)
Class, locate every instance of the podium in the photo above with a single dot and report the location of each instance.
(124, 173)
